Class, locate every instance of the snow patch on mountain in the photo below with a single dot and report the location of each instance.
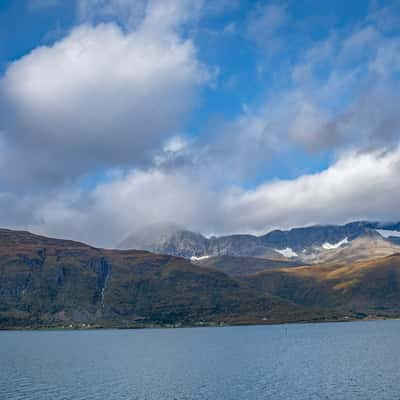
(386, 233)
(288, 252)
(194, 258)
(330, 246)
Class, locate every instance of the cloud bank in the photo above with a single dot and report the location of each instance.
(358, 186)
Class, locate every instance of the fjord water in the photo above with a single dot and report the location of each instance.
(311, 361)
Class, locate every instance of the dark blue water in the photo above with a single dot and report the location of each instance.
(288, 362)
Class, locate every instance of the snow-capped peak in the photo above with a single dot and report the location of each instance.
(194, 258)
(330, 246)
(386, 233)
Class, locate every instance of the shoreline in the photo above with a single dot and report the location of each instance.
(86, 327)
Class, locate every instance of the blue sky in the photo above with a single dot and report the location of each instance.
(223, 116)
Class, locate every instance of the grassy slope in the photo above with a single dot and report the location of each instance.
(239, 266)
(370, 286)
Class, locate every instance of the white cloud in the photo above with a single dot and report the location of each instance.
(97, 98)
(343, 93)
(357, 186)
(106, 214)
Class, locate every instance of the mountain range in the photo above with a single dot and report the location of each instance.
(48, 282)
(337, 273)
(356, 241)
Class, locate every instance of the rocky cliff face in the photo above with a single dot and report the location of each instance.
(299, 239)
(167, 238)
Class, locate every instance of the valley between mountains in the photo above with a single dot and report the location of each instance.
(167, 276)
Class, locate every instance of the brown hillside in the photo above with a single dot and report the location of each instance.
(368, 286)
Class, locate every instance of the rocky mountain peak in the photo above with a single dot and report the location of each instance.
(303, 243)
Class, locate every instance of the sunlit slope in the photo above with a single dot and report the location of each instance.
(239, 266)
(372, 285)
(367, 247)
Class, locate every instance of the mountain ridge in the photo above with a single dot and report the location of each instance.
(303, 243)
(46, 282)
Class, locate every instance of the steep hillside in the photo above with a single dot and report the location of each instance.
(49, 282)
(367, 247)
(372, 287)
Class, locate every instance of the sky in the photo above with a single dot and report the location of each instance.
(222, 116)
